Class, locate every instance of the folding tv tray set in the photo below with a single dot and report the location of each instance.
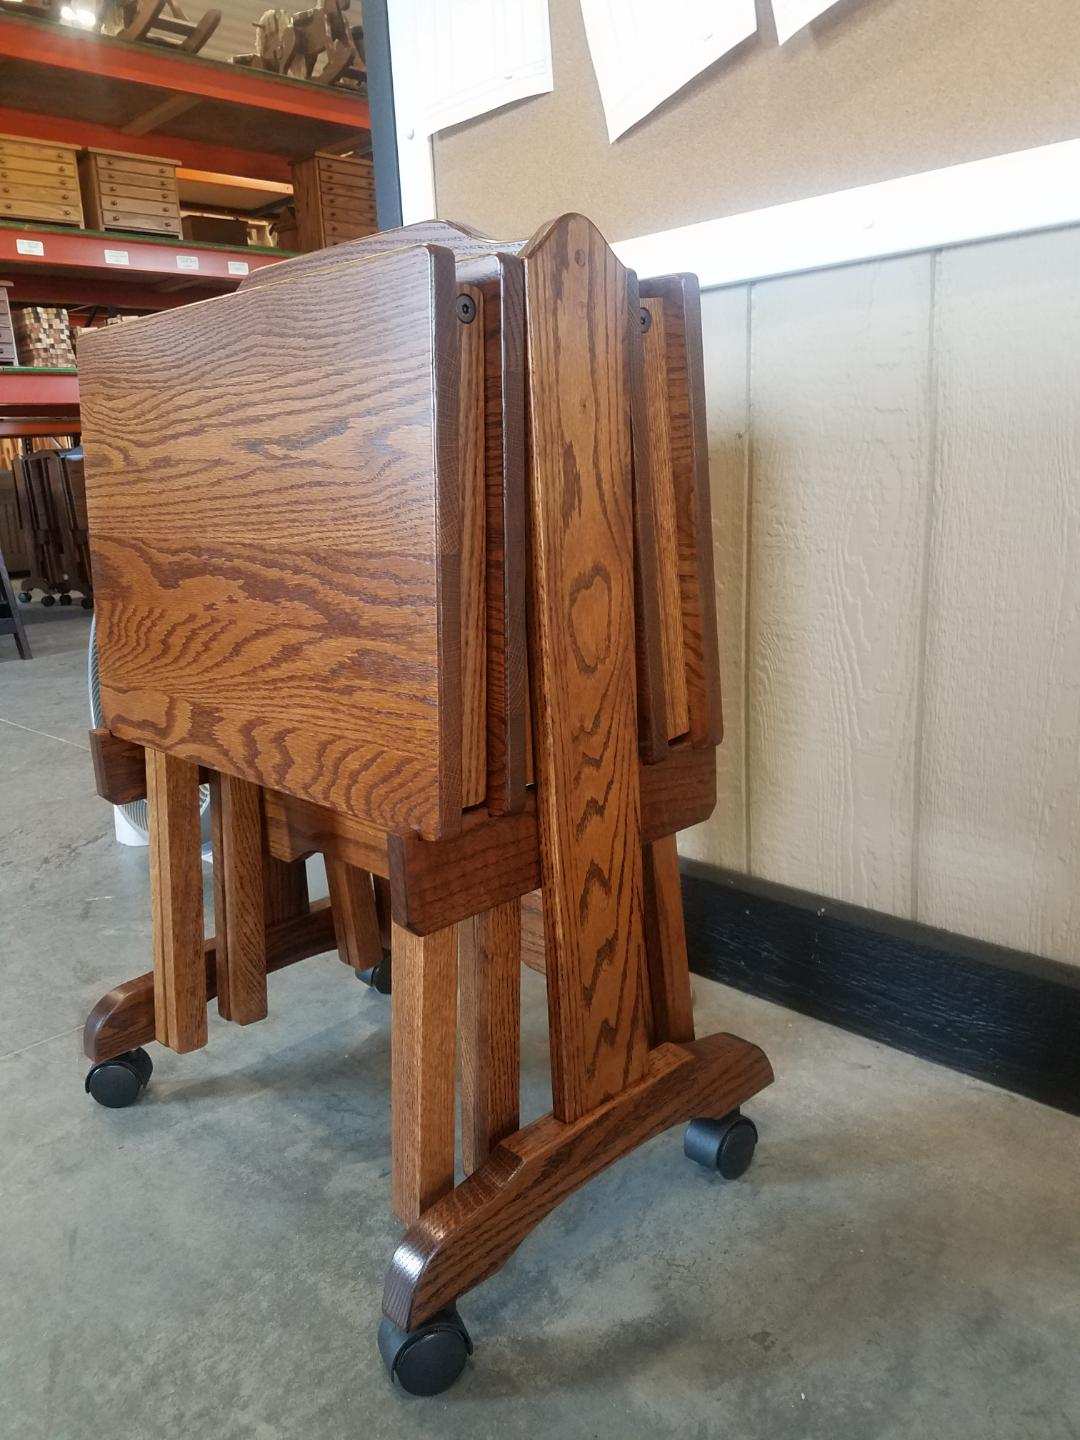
(405, 550)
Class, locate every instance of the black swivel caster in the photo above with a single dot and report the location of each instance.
(120, 1081)
(48, 601)
(65, 598)
(86, 602)
(726, 1145)
(378, 976)
(25, 597)
(427, 1360)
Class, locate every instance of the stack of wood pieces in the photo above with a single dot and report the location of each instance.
(8, 354)
(318, 44)
(334, 200)
(43, 336)
(39, 181)
(130, 192)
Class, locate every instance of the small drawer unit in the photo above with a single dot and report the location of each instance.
(334, 197)
(39, 182)
(129, 192)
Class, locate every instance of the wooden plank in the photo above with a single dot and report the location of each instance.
(221, 898)
(999, 790)
(242, 976)
(583, 662)
(504, 433)
(722, 840)
(302, 562)
(285, 886)
(672, 1005)
(489, 1029)
(661, 498)
(297, 828)
(839, 514)
(119, 768)
(176, 901)
(356, 925)
(652, 679)
(471, 440)
(423, 1017)
(688, 442)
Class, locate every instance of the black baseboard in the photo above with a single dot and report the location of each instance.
(1010, 1018)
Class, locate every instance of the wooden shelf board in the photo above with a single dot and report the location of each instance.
(150, 259)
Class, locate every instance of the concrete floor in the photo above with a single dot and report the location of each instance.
(902, 1261)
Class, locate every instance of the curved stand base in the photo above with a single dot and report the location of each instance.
(471, 1233)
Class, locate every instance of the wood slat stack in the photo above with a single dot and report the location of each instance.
(130, 192)
(8, 353)
(334, 197)
(43, 336)
(39, 181)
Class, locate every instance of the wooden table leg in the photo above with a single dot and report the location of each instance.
(239, 888)
(356, 924)
(172, 788)
(489, 1026)
(422, 1036)
(665, 944)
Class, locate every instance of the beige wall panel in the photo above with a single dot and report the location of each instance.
(839, 492)
(872, 90)
(722, 840)
(999, 855)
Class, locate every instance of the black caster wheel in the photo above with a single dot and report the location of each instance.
(119, 1082)
(726, 1145)
(427, 1360)
(65, 599)
(25, 597)
(48, 601)
(86, 603)
(378, 976)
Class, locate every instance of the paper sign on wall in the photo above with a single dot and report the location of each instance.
(792, 15)
(643, 53)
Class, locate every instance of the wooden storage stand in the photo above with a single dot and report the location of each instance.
(130, 192)
(39, 181)
(334, 197)
(482, 795)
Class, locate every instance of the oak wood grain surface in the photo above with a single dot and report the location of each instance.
(489, 1029)
(471, 468)
(356, 925)
(583, 662)
(241, 974)
(422, 1048)
(688, 448)
(274, 507)
(176, 901)
(665, 517)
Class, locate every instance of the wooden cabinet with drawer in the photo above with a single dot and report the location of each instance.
(39, 182)
(335, 200)
(129, 192)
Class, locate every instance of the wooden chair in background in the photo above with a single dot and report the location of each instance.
(311, 590)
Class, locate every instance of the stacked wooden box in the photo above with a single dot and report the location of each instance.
(8, 353)
(39, 182)
(130, 192)
(43, 335)
(335, 200)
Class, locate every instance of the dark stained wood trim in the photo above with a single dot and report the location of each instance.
(119, 768)
(1010, 1018)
